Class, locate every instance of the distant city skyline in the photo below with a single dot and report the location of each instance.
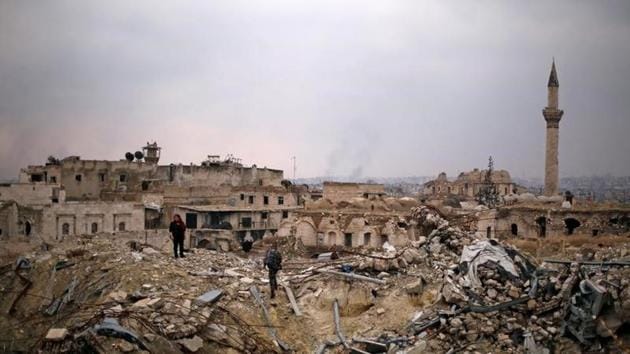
(359, 88)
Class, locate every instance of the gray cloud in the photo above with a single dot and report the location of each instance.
(387, 88)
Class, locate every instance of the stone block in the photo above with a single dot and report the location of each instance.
(56, 334)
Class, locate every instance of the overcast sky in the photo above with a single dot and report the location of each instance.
(364, 88)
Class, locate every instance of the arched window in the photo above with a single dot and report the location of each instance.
(94, 227)
(514, 229)
(489, 231)
(65, 229)
(121, 226)
(27, 228)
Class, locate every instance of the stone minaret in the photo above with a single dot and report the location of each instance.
(552, 116)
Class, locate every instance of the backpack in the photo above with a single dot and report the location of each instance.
(274, 260)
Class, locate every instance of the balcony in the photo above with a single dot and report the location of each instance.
(256, 225)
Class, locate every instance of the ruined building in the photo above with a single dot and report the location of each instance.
(468, 184)
(74, 196)
(353, 215)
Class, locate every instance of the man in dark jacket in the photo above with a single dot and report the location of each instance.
(273, 262)
(178, 232)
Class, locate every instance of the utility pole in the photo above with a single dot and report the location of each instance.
(294, 167)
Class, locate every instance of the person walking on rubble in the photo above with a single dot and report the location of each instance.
(178, 233)
(273, 262)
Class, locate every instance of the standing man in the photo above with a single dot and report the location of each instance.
(178, 232)
(273, 262)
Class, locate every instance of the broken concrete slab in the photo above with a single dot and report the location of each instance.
(191, 345)
(209, 297)
(291, 297)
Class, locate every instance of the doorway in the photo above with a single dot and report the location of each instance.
(542, 226)
(347, 241)
(571, 224)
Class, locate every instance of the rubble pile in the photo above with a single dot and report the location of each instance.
(497, 299)
(101, 291)
(446, 292)
(444, 242)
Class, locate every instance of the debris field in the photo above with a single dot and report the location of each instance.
(449, 292)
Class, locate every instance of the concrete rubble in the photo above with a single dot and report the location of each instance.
(449, 291)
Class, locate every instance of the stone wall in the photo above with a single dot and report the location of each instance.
(539, 222)
(337, 191)
(28, 193)
(75, 218)
(359, 231)
(8, 220)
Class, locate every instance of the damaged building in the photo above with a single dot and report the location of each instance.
(468, 184)
(548, 221)
(352, 215)
(72, 196)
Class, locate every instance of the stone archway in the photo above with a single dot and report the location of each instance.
(571, 224)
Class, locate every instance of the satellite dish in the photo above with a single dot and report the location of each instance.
(129, 156)
(139, 155)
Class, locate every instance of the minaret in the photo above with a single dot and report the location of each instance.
(552, 116)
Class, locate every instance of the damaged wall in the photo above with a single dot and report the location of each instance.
(542, 222)
(340, 191)
(347, 230)
(29, 193)
(63, 220)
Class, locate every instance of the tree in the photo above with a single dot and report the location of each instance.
(488, 194)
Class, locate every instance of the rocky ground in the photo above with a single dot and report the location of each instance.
(447, 292)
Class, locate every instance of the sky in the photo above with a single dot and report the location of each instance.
(350, 88)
